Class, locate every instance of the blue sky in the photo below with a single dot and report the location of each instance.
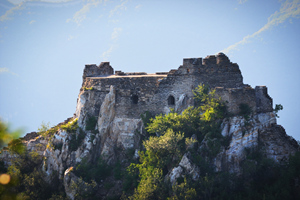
(44, 45)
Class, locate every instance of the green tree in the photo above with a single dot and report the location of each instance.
(277, 108)
(6, 135)
(211, 106)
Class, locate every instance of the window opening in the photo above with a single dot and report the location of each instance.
(134, 99)
(171, 100)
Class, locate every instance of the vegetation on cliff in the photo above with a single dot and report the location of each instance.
(171, 136)
(195, 135)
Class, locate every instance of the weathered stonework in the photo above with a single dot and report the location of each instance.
(136, 93)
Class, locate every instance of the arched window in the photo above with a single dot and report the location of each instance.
(171, 100)
(134, 99)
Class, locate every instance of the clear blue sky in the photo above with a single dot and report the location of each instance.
(44, 45)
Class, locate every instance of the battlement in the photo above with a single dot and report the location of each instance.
(210, 65)
(214, 71)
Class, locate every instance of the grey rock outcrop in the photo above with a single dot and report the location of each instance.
(185, 167)
(76, 186)
(115, 132)
(261, 128)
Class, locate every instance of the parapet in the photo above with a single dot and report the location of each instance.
(209, 65)
(210, 60)
(93, 70)
(214, 71)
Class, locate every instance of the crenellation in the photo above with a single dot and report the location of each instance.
(209, 60)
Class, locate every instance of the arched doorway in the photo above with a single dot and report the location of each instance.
(171, 100)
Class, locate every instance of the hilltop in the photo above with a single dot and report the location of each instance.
(196, 132)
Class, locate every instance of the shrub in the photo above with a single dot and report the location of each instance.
(71, 126)
(131, 177)
(97, 171)
(91, 123)
(146, 116)
(76, 140)
(16, 146)
(245, 110)
(277, 108)
(88, 88)
(58, 146)
(117, 170)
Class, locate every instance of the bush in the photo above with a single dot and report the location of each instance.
(88, 88)
(76, 140)
(117, 170)
(146, 116)
(277, 108)
(71, 126)
(91, 123)
(131, 177)
(92, 171)
(245, 110)
(58, 146)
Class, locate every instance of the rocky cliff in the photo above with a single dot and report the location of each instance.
(111, 114)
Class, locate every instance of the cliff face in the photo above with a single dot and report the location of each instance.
(109, 109)
(261, 129)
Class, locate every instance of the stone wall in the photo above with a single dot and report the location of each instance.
(158, 93)
(93, 70)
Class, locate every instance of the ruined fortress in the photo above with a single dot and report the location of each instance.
(138, 92)
(108, 113)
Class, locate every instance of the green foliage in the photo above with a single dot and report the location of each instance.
(151, 185)
(58, 146)
(117, 171)
(160, 156)
(211, 106)
(83, 190)
(146, 116)
(16, 146)
(71, 126)
(170, 135)
(6, 135)
(76, 140)
(245, 110)
(202, 120)
(88, 88)
(97, 171)
(162, 151)
(44, 127)
(27, 179)
(277, 108)
(49, 132)
(183, 191)
(131, 177)
(45, 130)
(91, 123)
(170, 138)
